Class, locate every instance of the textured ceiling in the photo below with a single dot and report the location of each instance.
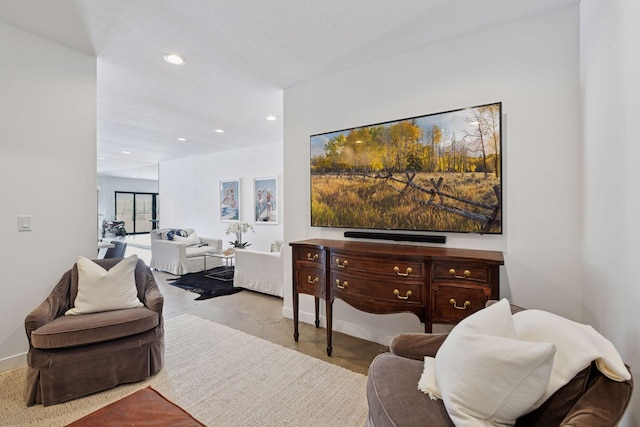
(240, 55)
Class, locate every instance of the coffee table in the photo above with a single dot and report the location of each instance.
(226, 274)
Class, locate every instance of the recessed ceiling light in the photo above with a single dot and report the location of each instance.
(181, 139)
(272, 118)
(125, 152)
(219, 131)
(174, 59)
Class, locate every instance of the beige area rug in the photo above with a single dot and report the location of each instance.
(223, 377)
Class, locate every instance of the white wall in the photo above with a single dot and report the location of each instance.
(47, 170)
(190, 192)
(610, 66)
(532, 67)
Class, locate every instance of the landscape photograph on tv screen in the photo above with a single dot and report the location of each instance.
(439, 172)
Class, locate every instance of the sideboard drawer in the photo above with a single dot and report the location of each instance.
(387, 268)
(310, 280)
(311, 255)
(453, 302)
(453, 270)
(392, 292)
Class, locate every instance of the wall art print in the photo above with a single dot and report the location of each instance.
(230, 200)
(265, 197)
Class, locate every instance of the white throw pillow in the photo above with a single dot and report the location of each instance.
(191, 240)
(486, 376)
(102, 290)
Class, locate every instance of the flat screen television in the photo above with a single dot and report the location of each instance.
(434, 173)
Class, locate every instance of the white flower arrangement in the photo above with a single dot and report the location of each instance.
(238, 228)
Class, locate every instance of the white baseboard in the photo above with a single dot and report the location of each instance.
(13, 362)
(345, 327)
(304, 317)
(371, 327)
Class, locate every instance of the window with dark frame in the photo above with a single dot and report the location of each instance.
(139, 211)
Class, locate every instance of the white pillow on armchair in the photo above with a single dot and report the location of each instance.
(276, 246)
(100, 289)
(191, 240)
(486, 376)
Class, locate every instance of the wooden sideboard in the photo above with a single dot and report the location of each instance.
(439, 285)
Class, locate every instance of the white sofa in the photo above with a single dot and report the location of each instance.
(180, 255)
(260, 271)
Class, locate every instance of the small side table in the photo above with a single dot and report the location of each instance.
(226, 274)
(103, 245)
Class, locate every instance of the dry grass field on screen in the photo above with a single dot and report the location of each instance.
(358, 202)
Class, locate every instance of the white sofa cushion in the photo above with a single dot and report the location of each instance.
(191, 240)
(194, 251)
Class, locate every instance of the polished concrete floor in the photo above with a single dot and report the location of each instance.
(261, 315)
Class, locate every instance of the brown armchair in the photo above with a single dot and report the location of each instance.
(589, 399)
(73, 356)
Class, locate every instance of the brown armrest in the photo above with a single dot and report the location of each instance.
(416, 346)
(41, 315)
(153, 299)
(54, 306)
(602, 405)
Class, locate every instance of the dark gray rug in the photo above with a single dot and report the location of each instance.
(206, 286)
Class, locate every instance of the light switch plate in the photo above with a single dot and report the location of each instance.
(24, 222)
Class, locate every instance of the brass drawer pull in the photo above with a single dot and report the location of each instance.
(344, 284)
(312, 281)
(453, 303)
(397, 293)
(466, 273)
(344, 263)
(407, 272)
(312, 258)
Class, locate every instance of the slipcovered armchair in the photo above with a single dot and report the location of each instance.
(260, 271)
(589, 399)
(79, 354)
(175, 253)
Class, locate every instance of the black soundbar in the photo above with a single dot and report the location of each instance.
(398, 237)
